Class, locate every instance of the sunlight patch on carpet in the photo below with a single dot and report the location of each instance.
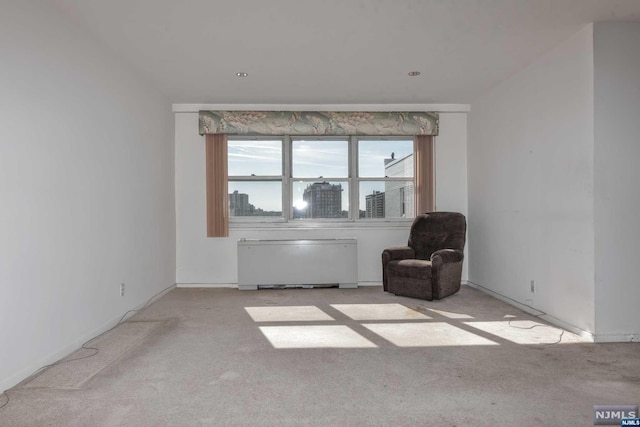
(434, 334)
(312, 336)
(527, 332)
(379, 312)
(451, 314)
(287, 314)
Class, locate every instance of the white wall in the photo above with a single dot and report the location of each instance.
(531, 178)
(617, 203)
(451, 170)
(202, 260)
(86, 189)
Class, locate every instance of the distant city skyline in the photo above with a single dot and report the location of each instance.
(322, 159)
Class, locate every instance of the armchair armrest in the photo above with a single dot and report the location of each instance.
(446, 272)
(392, 254)
(447, 256)
(397, 252)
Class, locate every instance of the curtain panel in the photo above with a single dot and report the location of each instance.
(424, 162)
(217, 186)
(308, 123)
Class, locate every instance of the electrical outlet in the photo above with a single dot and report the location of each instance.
(121, 289)
(533, 286)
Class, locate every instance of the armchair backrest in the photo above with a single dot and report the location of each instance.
(433, 231)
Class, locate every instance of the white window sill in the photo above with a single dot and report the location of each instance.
(328, 224)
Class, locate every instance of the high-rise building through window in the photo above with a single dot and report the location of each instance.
(375, 205)
(398, 195)
(323, 200)
(239, 204)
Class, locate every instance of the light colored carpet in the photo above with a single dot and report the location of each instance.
(228, 357)
(76, 369)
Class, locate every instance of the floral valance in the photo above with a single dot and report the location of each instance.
(318, 123)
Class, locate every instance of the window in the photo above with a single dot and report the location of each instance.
(320, 179)
(255, 178)
(385, 175)
(327, 179)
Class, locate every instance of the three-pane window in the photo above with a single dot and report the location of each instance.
(304, 179)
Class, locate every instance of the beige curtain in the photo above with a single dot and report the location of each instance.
(217, 187)
(424, 173)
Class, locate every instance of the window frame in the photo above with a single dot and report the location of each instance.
(260, 178)
(293, 179)
(357, 140)
(353, 180)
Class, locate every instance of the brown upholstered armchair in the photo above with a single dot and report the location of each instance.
(430, 266)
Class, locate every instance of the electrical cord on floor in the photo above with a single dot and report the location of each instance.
(535, 326)
(422, 309)
(84, 346)
(526, 305)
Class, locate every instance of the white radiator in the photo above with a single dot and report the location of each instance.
(297, 263)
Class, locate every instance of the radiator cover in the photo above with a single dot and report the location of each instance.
(297, 263)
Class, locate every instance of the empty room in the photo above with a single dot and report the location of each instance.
(336, 213)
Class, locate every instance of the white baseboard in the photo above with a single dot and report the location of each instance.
(567, 326)
(235, 285)
(523, 307)
(535, 312)
(207, 285)
(365, 284)
(25, 373)
(617, 337)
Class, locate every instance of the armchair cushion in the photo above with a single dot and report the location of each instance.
(408, 277)
(415, 268)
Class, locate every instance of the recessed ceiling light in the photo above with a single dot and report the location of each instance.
(414, 73)
(242, 74)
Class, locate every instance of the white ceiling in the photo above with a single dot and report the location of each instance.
(334, 51)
